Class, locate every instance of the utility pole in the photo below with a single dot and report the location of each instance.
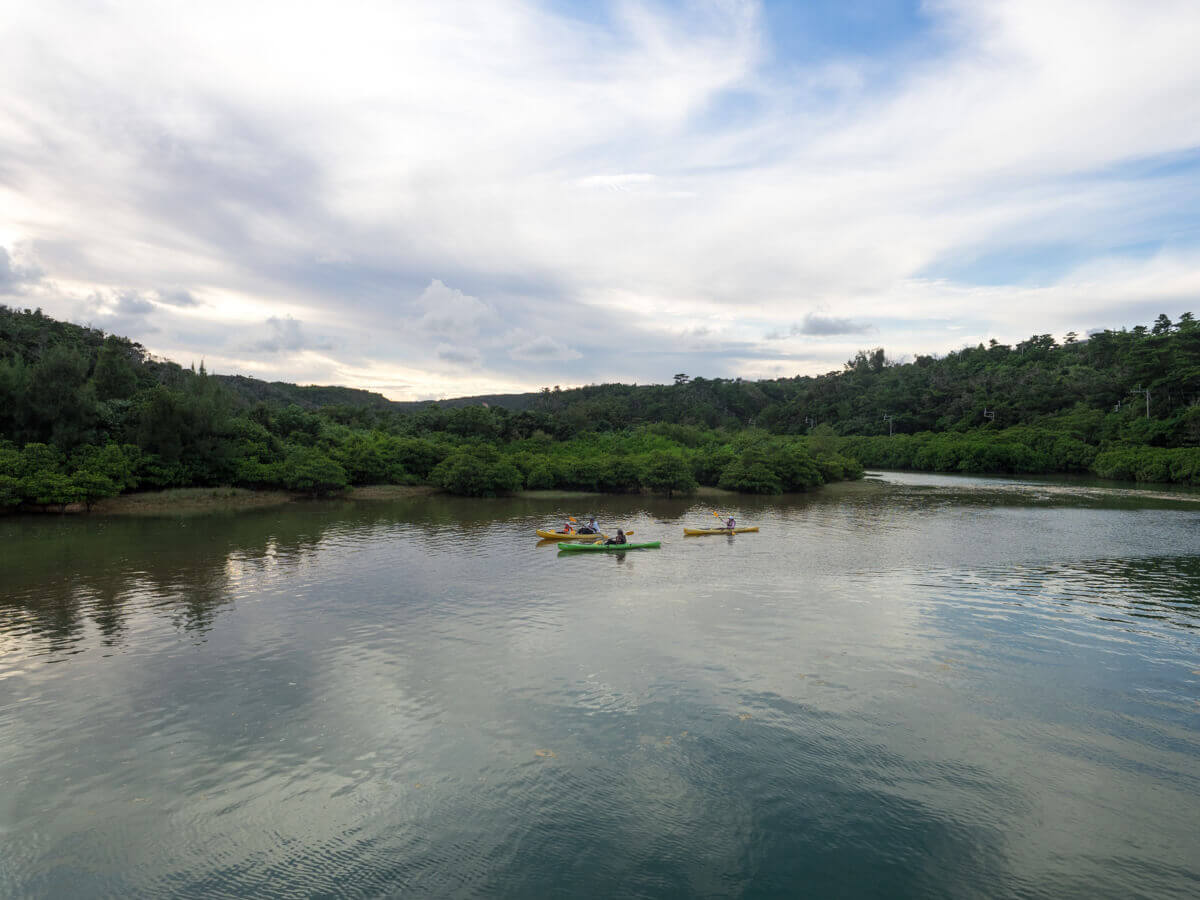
(1146, 391)
(989, 414)
(887, 417)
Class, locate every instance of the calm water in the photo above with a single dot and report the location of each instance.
(916, 686)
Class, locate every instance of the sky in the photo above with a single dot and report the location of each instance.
(433, 199)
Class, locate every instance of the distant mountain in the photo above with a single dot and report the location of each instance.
(314, 397)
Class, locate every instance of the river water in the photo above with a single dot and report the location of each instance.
(913, 686)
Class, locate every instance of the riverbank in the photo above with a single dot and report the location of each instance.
(184, 501)
(176, 501)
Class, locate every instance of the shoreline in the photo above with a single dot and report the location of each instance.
(176, 501)
(192, 500)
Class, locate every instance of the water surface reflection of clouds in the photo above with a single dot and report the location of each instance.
(921, 682)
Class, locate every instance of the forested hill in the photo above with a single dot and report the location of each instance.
(1083, 385)
(313, 397)
(69, 395)
(310, 397)
(1037, 381)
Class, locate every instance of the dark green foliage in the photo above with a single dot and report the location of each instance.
(10, 491)
(751, 476)
(110, 414)
(1180, 464)
(92, 485)
(50, 489)
(371, 458)
(115, 376)
(539, 477)
(795, 467)
(621, 475)
(60, 403)
(711, 461)
(310, 471)
(476, 472)
(669, 473)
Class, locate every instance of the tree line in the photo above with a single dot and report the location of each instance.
(85, 415)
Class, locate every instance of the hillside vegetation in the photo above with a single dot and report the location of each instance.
(84, 414)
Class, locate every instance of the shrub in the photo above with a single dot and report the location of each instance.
(92, 485)
(50, 489)
(794, 467)
(751, 478)
(621, 475)
(669, 473)
(540, 478)
(310, 471)
(481, 473)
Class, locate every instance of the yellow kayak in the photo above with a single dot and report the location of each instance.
(573, 536)
(718, 530)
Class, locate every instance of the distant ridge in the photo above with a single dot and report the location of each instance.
(314, 397)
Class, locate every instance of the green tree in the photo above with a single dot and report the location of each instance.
(115, 376)
(476, 473)
(60, 410)
(50, 489)
(91, 486)
(669, 473)
(310, 471)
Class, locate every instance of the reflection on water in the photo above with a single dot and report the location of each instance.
(913, 686)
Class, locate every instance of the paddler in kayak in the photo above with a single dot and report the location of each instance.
(730, 523)
(591, 527)
(619, 539)
(566, 529)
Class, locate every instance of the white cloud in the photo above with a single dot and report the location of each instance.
(449, 311)
(15, 276)
(615, 182)
(286, 335)
(423, 181)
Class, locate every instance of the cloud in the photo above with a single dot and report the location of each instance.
(814, 324)
(14, 278)
(544, 349)
(123, 312)
(1006, 179)
(615, 182)
(131, 303)
(176, 297)
(463, 356)
(449, 311)
(286, 335)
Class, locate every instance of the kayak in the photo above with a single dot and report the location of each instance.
(573, 536)
(719, 530)
(646, 545)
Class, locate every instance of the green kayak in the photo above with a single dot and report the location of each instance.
(647, 545)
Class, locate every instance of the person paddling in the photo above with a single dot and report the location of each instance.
(566, 529)
(619, 539)
(591, 527)
(730, 523)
